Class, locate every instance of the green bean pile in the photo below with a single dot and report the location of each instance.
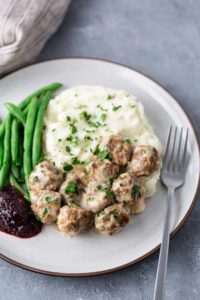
(21, 138)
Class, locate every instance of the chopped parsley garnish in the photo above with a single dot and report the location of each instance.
(110, 181)
(102, 213)
(70, 204)
(96, 150)
(115, 108)
(89, 199)
(88, 138)
(68, 149)
(59, 140)
(67, 167)
(116, 216)
(93, 124)
(103, 117)
(72, 124)
(77, 161)
(136, 191)
(45, 212)
(127, 141)
(73, 128)
(72, 188)
(104, 154)
(80, 106)
(54, 129)
(85, 116)
(110, 97)
(101, 107)
(107, 191)
(73, 140)
(135, 140)
(48, 199)
(70, 139)
(132, 105)
(36, 179)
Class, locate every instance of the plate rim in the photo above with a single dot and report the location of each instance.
(182, 222)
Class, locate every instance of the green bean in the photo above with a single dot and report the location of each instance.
(2, 129)
(15, 171)
(1, 152)
(7, 153)
(37, 137)
(16, 112)
(28, 138)
(52, 87)
(22, 178)
(14, 182)
(15, 140)
(25, 110)
(21, 151)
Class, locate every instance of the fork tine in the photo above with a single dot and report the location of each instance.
(178, 162)
(166, 153)
(185, 150)
(173, 156)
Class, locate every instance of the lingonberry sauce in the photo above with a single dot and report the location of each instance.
(16, 217)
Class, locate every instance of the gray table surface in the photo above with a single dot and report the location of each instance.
(161, 39)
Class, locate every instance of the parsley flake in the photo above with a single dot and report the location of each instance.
(36, 179)
(110, 97)
(85, 116)
(136, 191)
(104, 154)
(73, 128)
(72, 188)
(68, 149)
(115, 108)
(132, 105)
(103, 117)
(77, 161)
(67, 167)
(45, 212)
(107, 191)
(101, 107)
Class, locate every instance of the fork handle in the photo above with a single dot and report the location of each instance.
(163, 256)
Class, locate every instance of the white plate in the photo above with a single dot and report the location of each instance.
(91, 253)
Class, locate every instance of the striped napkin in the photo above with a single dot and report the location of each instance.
(25, 26)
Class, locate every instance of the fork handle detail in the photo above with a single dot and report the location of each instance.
(163, 256)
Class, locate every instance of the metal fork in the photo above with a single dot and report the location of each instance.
(173, 177)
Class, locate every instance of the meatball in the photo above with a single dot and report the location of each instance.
(112, 219)
(120, 149)
(46, 205)
(72, 188)
(127, 189)
(45, 176)
(82, 172)
(102, 170)
(137, 206)
(145, 161)
(72, 220)
(97, 197)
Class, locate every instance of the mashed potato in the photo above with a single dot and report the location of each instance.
(78, 118)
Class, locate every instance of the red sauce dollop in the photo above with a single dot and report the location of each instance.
(16, 217)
